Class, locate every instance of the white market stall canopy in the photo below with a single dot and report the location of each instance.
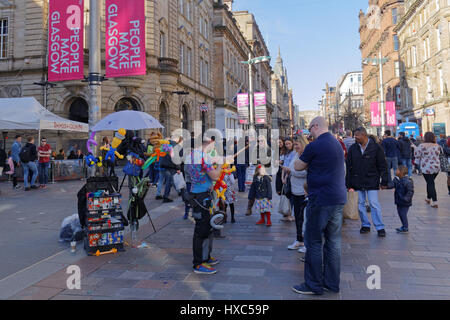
(29, 114)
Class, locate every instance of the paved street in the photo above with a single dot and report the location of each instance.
(255, 263)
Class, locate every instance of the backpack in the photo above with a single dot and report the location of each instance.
(25, 154)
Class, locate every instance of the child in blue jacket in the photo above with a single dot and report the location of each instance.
(404, 192)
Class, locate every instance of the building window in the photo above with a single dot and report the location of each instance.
(437, 4)
(394, 16)
(3, 38)
(397, 69)
(206, 78)
(181, 6)
(162, 44)
(414, 56)
(201, 70)
(189, 62)
(182, 57)
(441, 82)
(396, 44)
(438, 39)
(188, 10)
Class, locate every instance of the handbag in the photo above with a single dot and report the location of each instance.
(445, 165)
(285, 206)
(351, 207)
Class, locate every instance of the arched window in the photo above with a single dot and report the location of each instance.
(185, 117)
(127, 104)
(79, 110)
(164, 118)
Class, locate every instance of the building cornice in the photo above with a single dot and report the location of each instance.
(408, 15)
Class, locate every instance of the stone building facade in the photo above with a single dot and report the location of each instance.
(179, 47)
(229, 74)
(377, 36)
(424, 33)
(261, 71)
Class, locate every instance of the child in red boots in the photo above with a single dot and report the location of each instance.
(261, 190)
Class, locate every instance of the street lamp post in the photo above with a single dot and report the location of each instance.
(250, 63)
(379, 61)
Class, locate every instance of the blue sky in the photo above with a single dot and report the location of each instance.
(319, 40)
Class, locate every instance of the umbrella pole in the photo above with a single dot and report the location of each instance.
(39, 136)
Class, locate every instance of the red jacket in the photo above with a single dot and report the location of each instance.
(44, 153)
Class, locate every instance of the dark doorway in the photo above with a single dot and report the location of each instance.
(127, 104)
(79, 111)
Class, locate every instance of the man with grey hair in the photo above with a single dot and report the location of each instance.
(327, 195)
(366, 166)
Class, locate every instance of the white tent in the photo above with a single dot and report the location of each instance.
(29, 114)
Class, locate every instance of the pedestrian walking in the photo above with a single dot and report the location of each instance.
(366, 172)
(203, 174)
(261, 191)
(241, 163)
(44, 153)
(15, 151)
(3, 161)
(447, 154)
(348, 139)
(324, 159)
(28, 155)
(282, 153)
(428, 156)
(168, 170)
(392, 151)
(298, 180)
(404, 192)
(230, 196)
(289, 156)
(405, 145)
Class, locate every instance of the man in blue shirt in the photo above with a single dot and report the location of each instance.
(392, 152)
(327, 195)
(202, 173)
(15, 150)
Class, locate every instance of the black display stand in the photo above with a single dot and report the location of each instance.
(104, 219)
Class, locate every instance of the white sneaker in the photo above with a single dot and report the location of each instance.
(302, 249)
(295, 245)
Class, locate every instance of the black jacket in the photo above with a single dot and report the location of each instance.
(167, 163)
(404, 191)
(405, 148)
(261, 188)
(33, 151)
(365, 171)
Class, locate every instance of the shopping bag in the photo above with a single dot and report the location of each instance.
(178, 181)
(285, 206)
(351, 208)
(249, 175)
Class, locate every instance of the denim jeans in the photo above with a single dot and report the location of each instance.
(161, 182)
(165, 177)
(392, 163)
(403, 215)
(241, 170)
(323, 260)
(27, 167)
(43, 172)
(377, 217)
(407, 163)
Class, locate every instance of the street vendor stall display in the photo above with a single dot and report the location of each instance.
(100, 204)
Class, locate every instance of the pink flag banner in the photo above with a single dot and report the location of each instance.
(65, 40)
(391, 118)
(260, 107)
(242, 106)
(125, 38)
(375, 115)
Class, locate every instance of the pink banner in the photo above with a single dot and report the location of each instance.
(125, 38)
(391, 118)
(242, 106)
(65, 40)
(260, 107)
(375, 115)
